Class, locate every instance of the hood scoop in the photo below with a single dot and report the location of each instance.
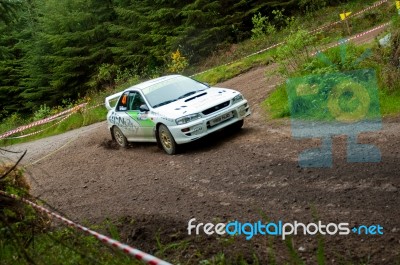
(179, 108)
(197, 96)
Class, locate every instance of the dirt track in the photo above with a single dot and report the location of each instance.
(246, 176)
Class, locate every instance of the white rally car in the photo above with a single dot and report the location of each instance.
(173, 110)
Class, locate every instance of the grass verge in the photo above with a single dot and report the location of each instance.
(380, 60)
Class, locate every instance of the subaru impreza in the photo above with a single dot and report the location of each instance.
(173, 110)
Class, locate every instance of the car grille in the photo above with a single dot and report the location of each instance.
(216, 108)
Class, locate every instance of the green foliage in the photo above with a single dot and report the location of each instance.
(71, 41)
(163, 249)
(27, 238)
(341, 59)
(16, 218)
(312, 5)
(296, 51)
(126, 78)
(294, 256)
(301, 65)
(277, 103)
(13, 36)
(106, 76)
(8, 10)
(321, 251)
(225, 72)
(60, 246)
(178, 63)
(280, 20)
(218, 259)
(11, 122)
(43, 112)
(395, 44)
(261, 26)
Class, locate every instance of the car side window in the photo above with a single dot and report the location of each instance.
(123, 102)
(130, 101)
(135, 100)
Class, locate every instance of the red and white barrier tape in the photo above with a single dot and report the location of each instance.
(47, 120)
(93, 107)
(40, 122)
(310, 32)
(247, 56)
(345, 41)
(375, 5)
(138, 254)
(352, 38)
(42, 130)
(266, 49)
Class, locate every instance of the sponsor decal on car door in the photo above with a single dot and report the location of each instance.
(145, 123)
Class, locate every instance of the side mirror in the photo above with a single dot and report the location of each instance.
(143, 108)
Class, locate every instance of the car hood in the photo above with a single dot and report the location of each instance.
(196, 103)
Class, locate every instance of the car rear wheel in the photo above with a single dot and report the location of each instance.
(166, 140)
(119, 137)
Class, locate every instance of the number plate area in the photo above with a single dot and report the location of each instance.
(221, 118)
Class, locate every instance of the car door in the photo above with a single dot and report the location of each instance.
(128, 126)
(145, 128)
(134, 124)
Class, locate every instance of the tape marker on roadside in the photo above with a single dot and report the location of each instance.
(375, 5)
(136, 253)
(358, 13)
(47, 120)
(345, 41)
(93, 107)
(40, 122)
(352, 38)
(42, 130)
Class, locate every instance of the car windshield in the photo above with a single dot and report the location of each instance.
(170, 90)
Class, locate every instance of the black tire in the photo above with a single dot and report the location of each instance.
(238, 125)
(119, 137)
(166, 140)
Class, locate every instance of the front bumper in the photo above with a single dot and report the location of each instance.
(208, 124)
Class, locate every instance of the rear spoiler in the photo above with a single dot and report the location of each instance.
(110, 98)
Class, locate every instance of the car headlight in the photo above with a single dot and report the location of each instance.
(237, 99)
(188, 118)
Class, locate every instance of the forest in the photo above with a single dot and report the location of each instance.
(55, 50)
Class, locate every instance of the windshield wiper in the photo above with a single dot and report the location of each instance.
(189, 94)
(172, 100)
(164, 103)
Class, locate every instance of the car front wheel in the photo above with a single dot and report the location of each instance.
(119, 137)
(166, 140)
